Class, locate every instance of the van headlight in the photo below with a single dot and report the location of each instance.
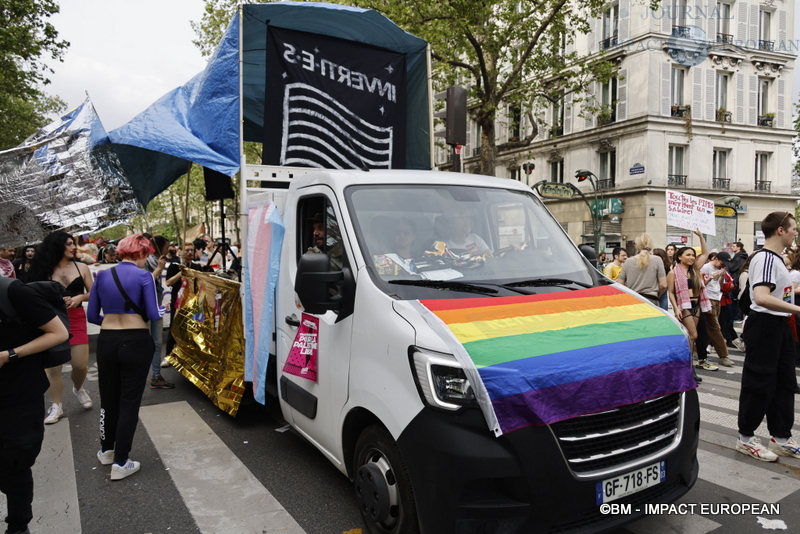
(441, 381)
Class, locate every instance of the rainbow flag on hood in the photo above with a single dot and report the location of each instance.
(539, 359)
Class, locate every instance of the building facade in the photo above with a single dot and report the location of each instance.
(714, 125)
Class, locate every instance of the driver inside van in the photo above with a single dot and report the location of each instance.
(335, 253)
(456, 232)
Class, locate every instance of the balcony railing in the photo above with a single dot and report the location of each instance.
(766, 45)
(721, 183)
(676, 180)
(680, 31)
(608, 43)
(724, 116)
(766, 120)
(680, 111)
(763, 185)
(476, 151)
(605, 184)
(724, 38)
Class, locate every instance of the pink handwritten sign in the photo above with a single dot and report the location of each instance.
(302, 359)
(690, 212)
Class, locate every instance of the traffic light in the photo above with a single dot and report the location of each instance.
(454, 114)
(582, 175)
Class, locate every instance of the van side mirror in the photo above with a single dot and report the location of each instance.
(589, 254)
(314, 284)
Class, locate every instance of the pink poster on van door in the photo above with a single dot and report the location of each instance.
(302, 360)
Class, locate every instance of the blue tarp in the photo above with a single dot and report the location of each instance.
(198, 122)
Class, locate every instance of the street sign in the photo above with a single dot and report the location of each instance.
(554, 190)
(724, 211)
(637, 168)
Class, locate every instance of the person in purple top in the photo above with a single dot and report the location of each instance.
(124, 349)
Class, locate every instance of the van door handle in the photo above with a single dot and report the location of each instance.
(291, 321)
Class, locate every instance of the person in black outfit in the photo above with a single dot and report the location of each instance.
(22, 385)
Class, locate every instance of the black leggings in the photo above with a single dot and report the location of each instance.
(123, 362)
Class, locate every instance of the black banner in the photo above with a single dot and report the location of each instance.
(332, 103)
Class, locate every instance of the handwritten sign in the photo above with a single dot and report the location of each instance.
(690, 212)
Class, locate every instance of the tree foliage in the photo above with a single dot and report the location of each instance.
(25, 37)
(506, 52)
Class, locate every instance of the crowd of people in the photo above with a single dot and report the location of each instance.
(123, 295)
(709, 292)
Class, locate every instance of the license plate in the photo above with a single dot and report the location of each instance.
(615, 488)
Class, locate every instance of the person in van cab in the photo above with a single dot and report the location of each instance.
(456, 232)
(335, 253)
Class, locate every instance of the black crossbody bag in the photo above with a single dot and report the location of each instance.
(129, 304)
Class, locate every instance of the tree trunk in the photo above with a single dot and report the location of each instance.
(488, 144)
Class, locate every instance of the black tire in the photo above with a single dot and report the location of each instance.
(377, 455)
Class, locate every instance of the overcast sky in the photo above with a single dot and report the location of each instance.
(128, 53)
(125, 53)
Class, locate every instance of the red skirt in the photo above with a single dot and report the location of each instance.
(77, 326)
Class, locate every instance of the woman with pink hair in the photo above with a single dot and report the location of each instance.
(126, 294)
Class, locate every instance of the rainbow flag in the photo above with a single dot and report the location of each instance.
(539, 359)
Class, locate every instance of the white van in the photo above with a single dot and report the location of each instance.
(394, 407)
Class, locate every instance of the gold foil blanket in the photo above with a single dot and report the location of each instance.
(209, 340)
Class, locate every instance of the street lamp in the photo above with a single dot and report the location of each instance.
(582, 175)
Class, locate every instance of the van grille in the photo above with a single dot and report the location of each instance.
(604, 440)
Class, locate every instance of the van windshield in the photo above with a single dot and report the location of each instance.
(451, 237)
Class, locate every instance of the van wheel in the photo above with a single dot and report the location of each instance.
(382, 484)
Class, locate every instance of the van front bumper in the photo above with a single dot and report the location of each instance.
(466, 480)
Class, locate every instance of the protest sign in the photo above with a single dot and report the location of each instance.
(690, 212)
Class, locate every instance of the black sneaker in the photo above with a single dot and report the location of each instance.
(158, 382)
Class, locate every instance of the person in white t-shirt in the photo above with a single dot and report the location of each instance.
(459, 238)
(713, 272)
(768, 375)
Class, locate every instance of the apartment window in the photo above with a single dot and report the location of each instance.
(557, 111)
(610, 27)
(608, 98)
(722, 91)
(763, 96)
(719, 166)
(557, 171)
(764, 22)
(761, 172)
(515, 174)
(476, 151)
(608, 170)
(676, 177)
(724, 23)
(514, 121)
(676, 86)
(677, 13)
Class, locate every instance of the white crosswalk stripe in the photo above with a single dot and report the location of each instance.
(200, 464)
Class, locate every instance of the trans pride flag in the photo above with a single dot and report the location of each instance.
(263, 254)
(539, 359)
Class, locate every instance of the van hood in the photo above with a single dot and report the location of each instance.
(540, 359)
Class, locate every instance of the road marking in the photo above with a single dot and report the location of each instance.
(55, 491)
(220, 492)
(673, 524)
(728, 403)
(745, 477)
(730, 421)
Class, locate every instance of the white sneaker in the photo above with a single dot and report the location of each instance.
(118, 472)
(106, 458)
(53, 414)
(165, 363)
(753, 447)
(790, 448)
(739, 344)
(83, 397)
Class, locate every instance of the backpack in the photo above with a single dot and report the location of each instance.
(54, 294)
(744, 300)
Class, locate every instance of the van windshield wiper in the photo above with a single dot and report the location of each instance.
(546, 282)
(446, 284)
